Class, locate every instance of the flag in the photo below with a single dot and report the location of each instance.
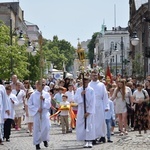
(108, 76)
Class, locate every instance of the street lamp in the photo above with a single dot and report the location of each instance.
(21, 39)
(21, 42)
(134, 42)
(134, 39)
(116, 51)
(121, 44)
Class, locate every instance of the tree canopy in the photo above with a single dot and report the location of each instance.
(12, 56)
(59, 52)
(16, 60)
(91, 47)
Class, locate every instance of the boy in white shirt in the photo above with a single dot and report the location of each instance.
(109, 116)
(64, 114)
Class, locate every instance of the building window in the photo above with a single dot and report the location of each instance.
(112, 58)
(120, 59)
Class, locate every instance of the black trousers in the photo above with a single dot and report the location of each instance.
(130, 119)
(7, 128)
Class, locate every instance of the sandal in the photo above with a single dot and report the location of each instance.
(126, 133)
(121, 134)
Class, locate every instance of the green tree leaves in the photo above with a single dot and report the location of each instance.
(91, 47)
(8, 52)
(59, 52)
(15, 60)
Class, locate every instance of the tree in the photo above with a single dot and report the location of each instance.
(11, 52)
(138, 68)
(59, 52)
(91, 47)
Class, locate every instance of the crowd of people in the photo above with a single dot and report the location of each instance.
(91, 106)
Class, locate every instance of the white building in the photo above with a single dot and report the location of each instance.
(110, 46)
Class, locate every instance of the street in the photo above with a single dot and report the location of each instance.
(20, 140)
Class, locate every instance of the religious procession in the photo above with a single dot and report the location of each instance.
(91, 105)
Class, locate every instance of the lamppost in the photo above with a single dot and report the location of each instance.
(134, 42)
(121, 44)
(116, 51)
(21, 42)
(31, 50)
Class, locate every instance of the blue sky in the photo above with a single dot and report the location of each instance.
(72, 19)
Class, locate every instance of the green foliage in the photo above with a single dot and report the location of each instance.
(14, 58)
(91, 47)
(59, 51)
(17, 53)
(138, 68)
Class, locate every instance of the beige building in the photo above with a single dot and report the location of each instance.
(11, 11)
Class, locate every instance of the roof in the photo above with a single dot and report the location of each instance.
(30, 24)
(139, 3)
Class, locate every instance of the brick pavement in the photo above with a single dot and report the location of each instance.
(21, 141)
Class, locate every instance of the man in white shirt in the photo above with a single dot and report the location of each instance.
(38, 105)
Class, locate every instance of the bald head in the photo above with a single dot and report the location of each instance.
(14, 78)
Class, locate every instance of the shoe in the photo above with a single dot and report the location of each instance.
(86, 145)
(109, 141)
(37, 146)
(45, 143)
(132, 129)
(94, 142)
(90, 145)
(112, 133)
(126, 133)
(28, 131)
(7, 140)
(121, 134)
(18, 129)
(102, 139)
(69, 131)
(30, 134)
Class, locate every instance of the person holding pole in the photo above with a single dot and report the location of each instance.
(101, 106)
(85, 98)
(38, 105)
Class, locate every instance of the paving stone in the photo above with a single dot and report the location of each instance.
(20, 140)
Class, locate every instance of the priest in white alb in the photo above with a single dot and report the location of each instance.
(101, 105)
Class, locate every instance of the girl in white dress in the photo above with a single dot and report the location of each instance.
(19, 109)
(122, 95)
(29, 118)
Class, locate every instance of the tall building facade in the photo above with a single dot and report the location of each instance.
(11, 11)
(112, 48)
(140, 23)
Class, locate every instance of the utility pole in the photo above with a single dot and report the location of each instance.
(11, 59)
(122, 56)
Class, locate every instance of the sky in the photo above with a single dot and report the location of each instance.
(73, 19)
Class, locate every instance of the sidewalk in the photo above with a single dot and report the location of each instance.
(20, 140)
